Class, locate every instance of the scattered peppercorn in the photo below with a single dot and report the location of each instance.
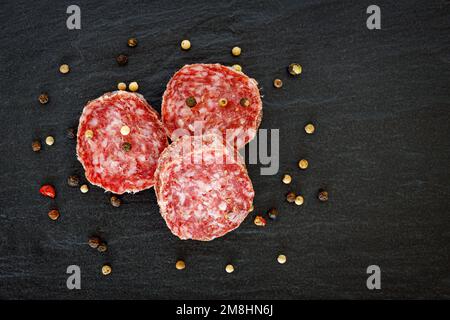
(73, 181)
(71, 133)
(48, 191)
(290, 197)
(273, 213)
(102, 247)
(122, 86)
(43, 98)
(282, 259)
(115, 202)
(287, 179)
(133, 86)
(122, 59)
(89, 134)
(223, 102)
(299, 200)
(53, 214)
(244, 102)
(295, 69)
(237, 67)
(94, 242)
(36, 145)
(277, 83)
(132, 42)
(126, 146)
(84, 188)
(309, 128)
(229, 268)
(125, 130)
(191, 102)
(180, 265)
(259, 221)
(185, 44)
(236, 51)
(50, 140)
(64, 68)
(106, 269)
(323, 195)
(303, 164)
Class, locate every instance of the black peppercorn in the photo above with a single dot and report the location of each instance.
(323, 195)
(244, 102)
(102, 247)
(53, 214)
(273, 213)
(73, 181)
(94, 242)
(290, 197)
(71, 133)
(43, 98)
(115, 202)
(36, 145)
(126, 146)
(191, 102)
(122, 59)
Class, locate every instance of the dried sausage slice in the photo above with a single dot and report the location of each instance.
(120, 138)
(212, 98)
(205, 192)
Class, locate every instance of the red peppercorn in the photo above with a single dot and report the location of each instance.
(48, 191)
(259, 221)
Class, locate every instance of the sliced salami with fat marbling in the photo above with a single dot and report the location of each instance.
(119, 161)
(212, 98)
(203, 188)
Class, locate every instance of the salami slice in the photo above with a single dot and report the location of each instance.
(120, 138)
(203, 188)
(212, 98)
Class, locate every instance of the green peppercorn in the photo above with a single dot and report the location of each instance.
(122, 59)
(126, 146)
(191, 102)
(295, 69)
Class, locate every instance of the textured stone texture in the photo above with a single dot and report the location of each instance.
(380, 101)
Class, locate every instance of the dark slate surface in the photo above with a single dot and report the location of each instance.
(380, 100)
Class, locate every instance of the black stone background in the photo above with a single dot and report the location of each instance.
(380, 101)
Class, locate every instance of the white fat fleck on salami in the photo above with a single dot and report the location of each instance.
(203, 200)
(106, 163)
(208, 83)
